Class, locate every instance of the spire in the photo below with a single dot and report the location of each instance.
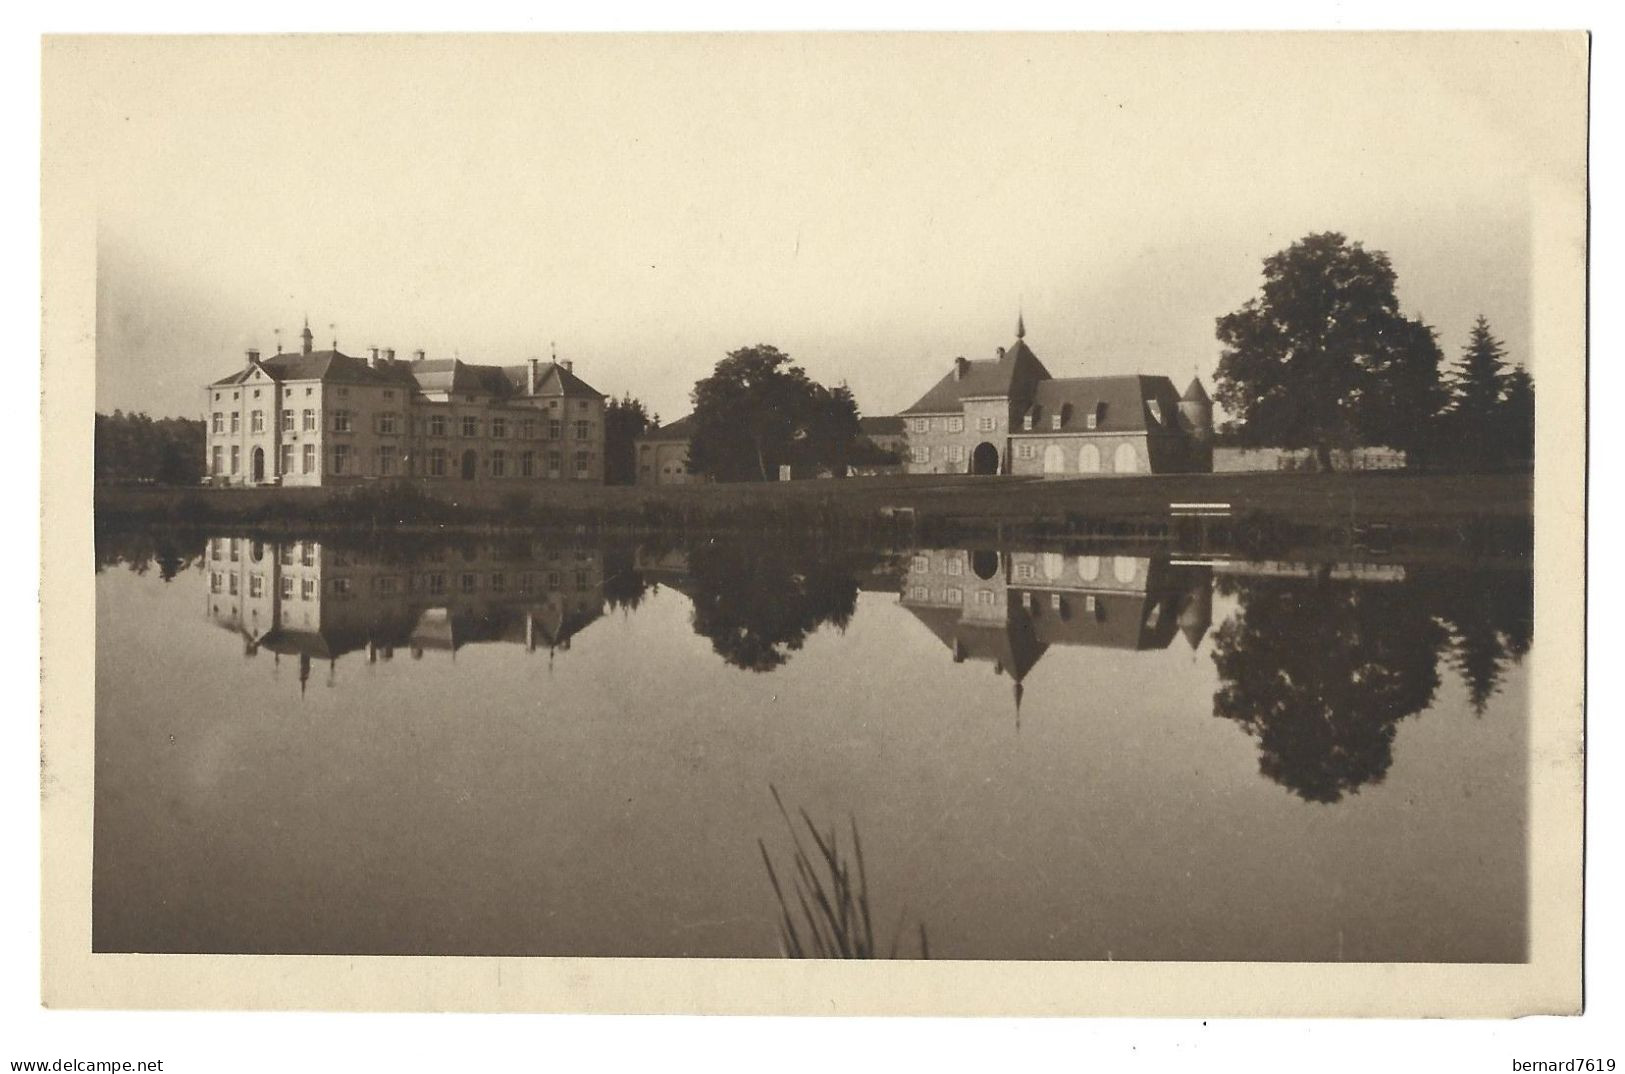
(1021, 326)
(305, 336)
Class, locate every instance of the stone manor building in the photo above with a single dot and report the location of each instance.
(1008, 415)
(326, 418)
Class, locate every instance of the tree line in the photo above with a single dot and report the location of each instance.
(134, 448)
(1324, 359)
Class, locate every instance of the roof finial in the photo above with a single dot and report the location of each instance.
(305, 336)
(1021, 326)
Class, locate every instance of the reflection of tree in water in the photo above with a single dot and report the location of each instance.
(1491, 621)
(759, 603)
(172, 552)
(1321, 672)
(624, 585)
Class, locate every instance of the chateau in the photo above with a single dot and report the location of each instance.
(1008, 415)
(326, 418)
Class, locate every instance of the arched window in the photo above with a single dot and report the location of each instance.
(1054, 460)
(1089, 459)
(1127, 460)
(1088, 568)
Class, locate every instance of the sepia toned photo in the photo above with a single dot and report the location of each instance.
(672, 522)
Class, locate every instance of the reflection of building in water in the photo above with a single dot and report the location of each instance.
(303, 599)
(1007, 609)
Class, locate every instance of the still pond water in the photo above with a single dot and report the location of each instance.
(535, 747)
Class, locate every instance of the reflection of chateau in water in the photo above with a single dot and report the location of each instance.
(1008, 608)
(304, 599)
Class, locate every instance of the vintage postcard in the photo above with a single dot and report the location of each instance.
(815, 523)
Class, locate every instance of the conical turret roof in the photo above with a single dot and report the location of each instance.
(1195, 393)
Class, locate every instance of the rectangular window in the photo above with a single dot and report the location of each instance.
(231, 584)
(310, 391)
(285, 553)
(988, 424)
(553, 579)
(956, 566)
(956, 425)
(922, 454)
(256, 585)
(307, 589)
(236, 421)
(1094, 416)
(341, 421)
(581, 464)
(922, 425)
(984, 596)
(921, 564)
(1025, 451)
(499, 428)
(471, 426)
(581, 579)
(527, 429)
(471, 582)
(499, 459)
(236, 458)
(1024, 571)
(287, 421)
(436, 582)
(388, 424)
(219, 459)
(341, 458)
(583, 430)
(954, 596)
(287, 587)
(386, 584)
(286, 462)
(310, 421)
(555, 428)
(215, 546)
(555, 463)
(437, 462)
(256, 423)
(527, 582)
(437, 425)
(527, 464)
(956, 453)
(499, 582)
(341, 586)
(919, 592)
(1055, 421)
(310, 458)
(386, 460)
(218, 422)
(389, 393)
(234, 552)
(214, 581)
(307, 553)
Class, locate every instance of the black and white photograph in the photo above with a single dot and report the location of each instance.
(617, 509)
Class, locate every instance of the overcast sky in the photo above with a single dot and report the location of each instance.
(872, 205)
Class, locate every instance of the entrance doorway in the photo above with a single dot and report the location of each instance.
(259, 465)
(985, 459)
(471, 464)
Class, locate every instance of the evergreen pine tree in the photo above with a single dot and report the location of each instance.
(1476, 388)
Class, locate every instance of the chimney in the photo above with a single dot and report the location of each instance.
(417, 356)
(531, 376)
(569, 365)
(374, 356)
(1000, 352)
(253, 354)
(961, 367)
(389, 354)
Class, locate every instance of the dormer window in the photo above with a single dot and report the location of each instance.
(1097, 416)
(1027, 422)
(1156, 410)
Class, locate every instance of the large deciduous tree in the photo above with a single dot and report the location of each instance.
(624, 419)
(1323, 358)
(757, 411)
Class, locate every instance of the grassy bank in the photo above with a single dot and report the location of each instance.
(1473, 511)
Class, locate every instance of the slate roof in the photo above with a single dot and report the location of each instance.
(1126, 400)
(1015, 373)
(681, 429)
(1195, 393)
(429, 375)
(1134, 621)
